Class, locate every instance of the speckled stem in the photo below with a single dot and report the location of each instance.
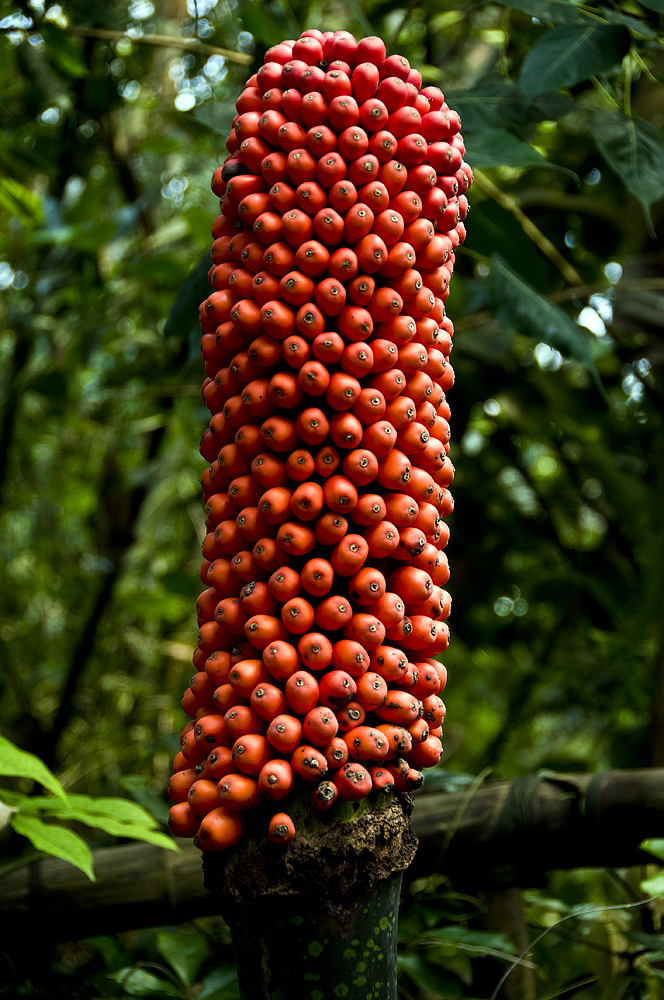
(316, 919)
(301, 953)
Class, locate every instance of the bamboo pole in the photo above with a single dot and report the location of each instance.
(478, 837)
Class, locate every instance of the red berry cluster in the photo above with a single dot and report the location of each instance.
(326, 350)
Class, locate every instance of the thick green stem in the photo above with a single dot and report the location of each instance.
(299, 952)
(316, 919)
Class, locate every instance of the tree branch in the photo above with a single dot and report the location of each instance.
(542, 242)
(160, 41)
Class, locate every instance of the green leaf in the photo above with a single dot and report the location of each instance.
(356, 10)
(134, 832)
(650, 942)
(519, 306)
(495, 105)
(117, 817)
(480, 942)
(113, 952)
(437, 986)
(85, 807)
(494, 228)
(123, 810)
(270, 23)
(216, 115)
(654, 886)
(634, 151)
(654, 846)
(140, 983)
(496, 147)
(18, 801)
(184, 952)
(6, 813)
(657, 5)
(549, 11)
(571, 53)
(183, 316)
(20, 201)
(551, 106)
(638, 28)
(65, 52)
(56, 841)
(213, 983)
(138, 786)
(439, 780)
(21, 764)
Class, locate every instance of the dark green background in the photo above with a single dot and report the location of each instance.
(557, 548)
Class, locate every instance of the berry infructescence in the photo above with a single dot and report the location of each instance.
(326, 348)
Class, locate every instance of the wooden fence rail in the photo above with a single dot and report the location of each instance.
(489, 835)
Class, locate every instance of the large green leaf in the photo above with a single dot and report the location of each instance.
(141, 983)
(496, 230)
(118, 817)
(21, 764)
(429, 978)
(213, 984)
(496, 147)
(131, 831)
(657, 5)
(493, 105)
(633, 149)
(78, 806)
(184, 952)
(56, 841)
(655, 846)
(183, 317)
(517, 304)
(571, 53)
(654, 886)
(548, 11)
(480, 942)
(120, 809)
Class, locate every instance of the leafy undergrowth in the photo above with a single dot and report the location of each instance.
(613, 948)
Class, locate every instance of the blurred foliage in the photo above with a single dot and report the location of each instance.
(109, 133)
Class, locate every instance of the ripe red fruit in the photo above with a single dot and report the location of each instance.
(281, 828)
(342, 203)
(309, 763)
(353, 781)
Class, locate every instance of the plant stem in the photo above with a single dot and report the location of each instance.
(301, 952)
(316, 919)
(506, 201)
